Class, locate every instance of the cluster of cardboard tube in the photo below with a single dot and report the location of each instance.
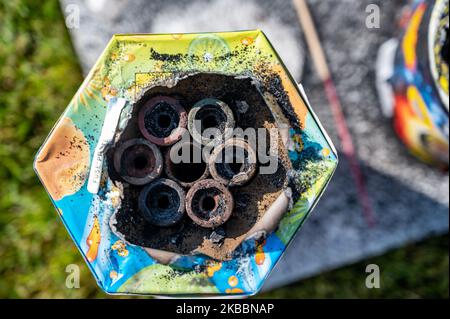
(198, 188)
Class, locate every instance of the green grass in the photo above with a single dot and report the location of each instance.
(39, 74)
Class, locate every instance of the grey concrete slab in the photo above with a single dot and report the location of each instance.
(410, 199)
(336, 234)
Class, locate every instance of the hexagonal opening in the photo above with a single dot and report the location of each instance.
(251, 200)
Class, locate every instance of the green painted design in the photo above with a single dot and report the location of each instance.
(165, 280)
(289, 224)
(209, 52)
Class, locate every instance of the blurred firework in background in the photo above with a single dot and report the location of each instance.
(419, 80)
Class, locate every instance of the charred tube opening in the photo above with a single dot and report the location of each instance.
(210, 114)
(233, 163)
(162, 203)
(184, 163)
(162, 120)
(209, 204)
(138, 162)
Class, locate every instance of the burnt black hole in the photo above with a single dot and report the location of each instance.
(161, 199)
(208, 204)
(140, 162)
(188, 172)
(164, 121)
(235, 167)
(211, 117)
(161, 120)
(163, 202)
(210, 122)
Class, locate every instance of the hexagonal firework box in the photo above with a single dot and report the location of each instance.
(148, 224)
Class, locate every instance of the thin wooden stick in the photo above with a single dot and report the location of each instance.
(321, 65)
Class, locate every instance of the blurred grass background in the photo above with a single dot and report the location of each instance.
(39, 73)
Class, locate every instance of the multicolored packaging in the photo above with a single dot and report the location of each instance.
(419, 81)
(127, 256)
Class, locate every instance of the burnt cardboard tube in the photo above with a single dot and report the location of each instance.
(210, 114)
(209, 203)
(162, 203)
(137, 161)
(233, 163)
(162, 120)
(184, 163)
